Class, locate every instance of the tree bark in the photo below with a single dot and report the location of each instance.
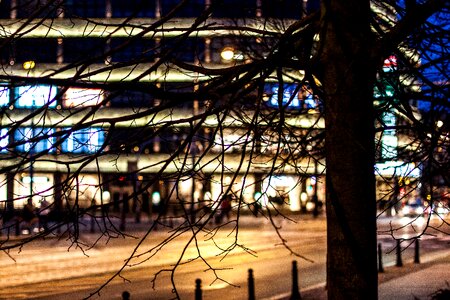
(348, 75)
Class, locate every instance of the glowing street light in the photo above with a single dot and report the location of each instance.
(227, 53)
(29, 65)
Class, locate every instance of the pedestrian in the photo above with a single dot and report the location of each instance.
(29, 216)
(225, 207)
(43, 214)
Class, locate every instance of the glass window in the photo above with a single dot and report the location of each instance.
(187, 50)
(43, 139)
(175, 92)
(36, 8)
(134, 8)
(39, 50)
(79, 49)
(132, 49)
(33, 96)
(130, 98)
(231, 49)
(4, 95)
(293, 96)
(86, 8)
(282, 9)
(5, 8)
(87, 140)
(4, 140)
(192, 9)
(81, 97)
(234, 9)
(5, 52)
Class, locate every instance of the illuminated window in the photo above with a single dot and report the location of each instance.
(42, 139)
(88, 140)
(4, 96)
(32, 96)
(292, 97)
(4, 140)
(76, 97)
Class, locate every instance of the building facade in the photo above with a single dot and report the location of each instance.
(111, 134)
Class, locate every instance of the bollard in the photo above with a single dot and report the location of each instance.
(198, 289)
(295, 295)
(399, 255)
(92, 224)
(17, 227)
(380, 259)
(251, 285)
(416, 252)
(126, 295)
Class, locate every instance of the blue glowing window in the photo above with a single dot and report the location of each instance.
(4, 96)
(292, 96)
(4, 140)
(35, 139)
(88, 140)
(33, 96)
(289, 96)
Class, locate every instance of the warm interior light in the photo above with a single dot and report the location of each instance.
(28, 65)
(227, 53)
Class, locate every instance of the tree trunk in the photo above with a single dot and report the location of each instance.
(348, 76)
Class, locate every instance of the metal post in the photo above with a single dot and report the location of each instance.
(416, 252)
(126, 295)
(380, 260)
(251, 285)
(295, 295)
(399, 255)
(198, 289)
(314, 197)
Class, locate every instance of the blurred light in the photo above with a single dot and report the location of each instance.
(257, 196)
(156, 198)
(106, 196)
(303, 197)
(28, 65)
(35, 179)
(439, 124)
(227, 53)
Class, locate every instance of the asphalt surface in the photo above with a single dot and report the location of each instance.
(411, 281)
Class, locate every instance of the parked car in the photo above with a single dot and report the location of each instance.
(413, 209)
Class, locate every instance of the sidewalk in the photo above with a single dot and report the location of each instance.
(410, 282)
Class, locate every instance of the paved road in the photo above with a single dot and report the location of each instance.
(47, 270)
